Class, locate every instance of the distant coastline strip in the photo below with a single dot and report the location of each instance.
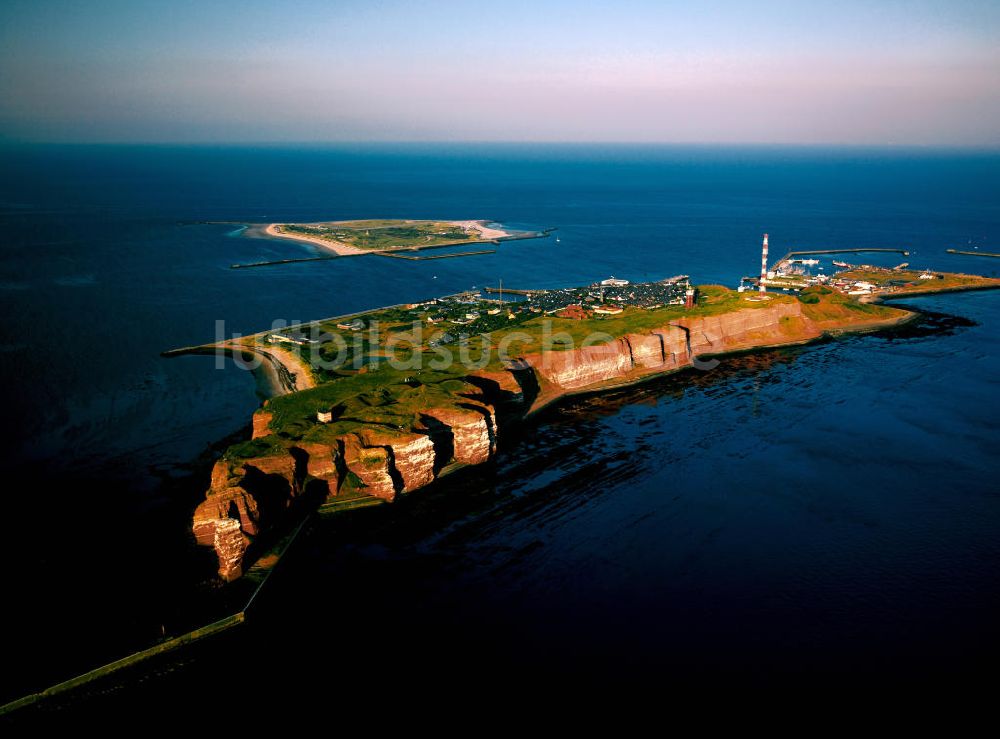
(336, 249)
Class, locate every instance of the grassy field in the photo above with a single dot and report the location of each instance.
(389, 397)
(825, 305)
(385, 234)
(940, 281)
(403, 333)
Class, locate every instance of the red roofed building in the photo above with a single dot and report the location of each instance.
(576, 312)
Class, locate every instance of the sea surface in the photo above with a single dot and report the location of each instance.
(830, 509)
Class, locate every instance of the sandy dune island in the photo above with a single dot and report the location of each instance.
(336, 236)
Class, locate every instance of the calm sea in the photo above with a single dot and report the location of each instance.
(831, 508)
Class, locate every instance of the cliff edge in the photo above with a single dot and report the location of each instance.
(356, 438)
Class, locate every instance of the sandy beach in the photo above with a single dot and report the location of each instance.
(338, 248)
(293, 374)
(485, 233)
(285, 371)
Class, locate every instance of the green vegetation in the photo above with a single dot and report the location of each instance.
(813, 295)
(366, 392)
(821, 304)
(265, 446)
(384, 396)
(387, 398)
(385, 234)
(909, 280)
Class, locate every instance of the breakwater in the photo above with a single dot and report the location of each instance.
(812, 252)
(396, 251)
(972, 253)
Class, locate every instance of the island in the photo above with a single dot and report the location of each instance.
(351, 238)
(373, 406)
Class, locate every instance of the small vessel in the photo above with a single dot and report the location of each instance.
(840, 264)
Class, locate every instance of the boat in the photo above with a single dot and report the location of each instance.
(840, 264)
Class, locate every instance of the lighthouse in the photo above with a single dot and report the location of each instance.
(763, 267)
(689, 298)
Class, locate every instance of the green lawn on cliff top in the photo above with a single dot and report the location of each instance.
(940, 280)
(387, 392)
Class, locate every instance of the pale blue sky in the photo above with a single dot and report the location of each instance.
(771, 71)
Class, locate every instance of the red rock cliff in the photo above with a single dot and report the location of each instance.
(249, 495)
(671, 347)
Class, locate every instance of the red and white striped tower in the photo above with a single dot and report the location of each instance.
(763, 267)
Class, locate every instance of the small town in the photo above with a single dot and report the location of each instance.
(472, 312)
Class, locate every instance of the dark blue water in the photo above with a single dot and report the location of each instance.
(834, 505)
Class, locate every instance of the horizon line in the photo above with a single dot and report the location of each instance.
(210, 143)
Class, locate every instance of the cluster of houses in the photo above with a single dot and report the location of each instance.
(897, 280)
(611, 296)
(471, 313)
(297, 337)
(791, 276)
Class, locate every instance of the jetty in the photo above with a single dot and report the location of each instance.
(397, 255)
(395, 251)
(794, 254)
(512, 291)
(972, 253)
(281, 261)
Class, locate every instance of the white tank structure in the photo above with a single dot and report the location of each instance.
(763, 267)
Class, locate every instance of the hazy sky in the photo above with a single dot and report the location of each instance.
(865, 72)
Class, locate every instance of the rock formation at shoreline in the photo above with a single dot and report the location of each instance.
(673, 346)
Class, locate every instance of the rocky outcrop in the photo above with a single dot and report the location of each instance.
(647, 350)
(231, 545)
(501, 387)
(321, 461)
(250, 493)
(225, 500)
(577, 368)
(413, 456)
(261, 423)
(473, 430)
(248, 496)
(749, 328)
(673, 346)
(674, 342)
(371, 465)
(391, 463)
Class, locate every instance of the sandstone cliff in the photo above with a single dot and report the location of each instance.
(670, 347)
(386, 452)
(400, 439)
